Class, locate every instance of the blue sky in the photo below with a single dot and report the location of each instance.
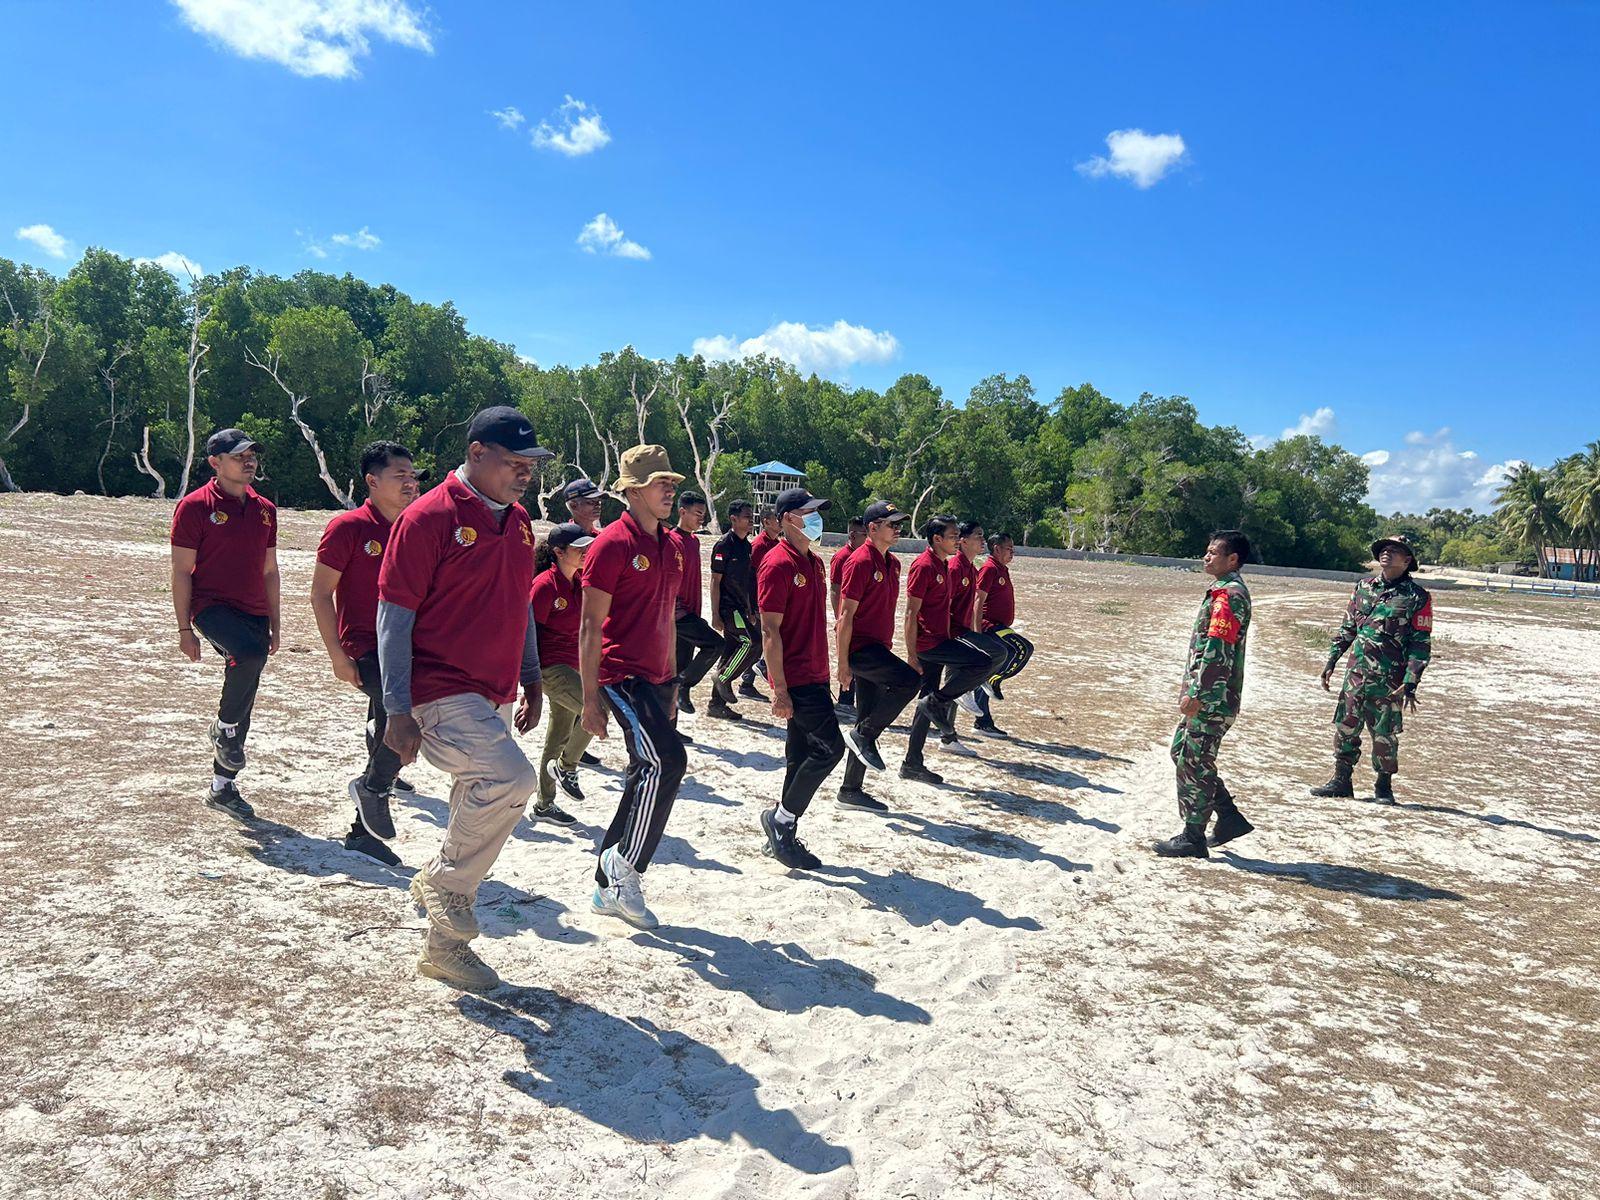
(1381, 226)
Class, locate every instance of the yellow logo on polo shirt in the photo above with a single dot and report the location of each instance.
(219, 518)
(799, 580)
(373, 548)
(965, 580)
(527, 536)
(641, 563)
(938, 578)
(561, 603)
(266, 518)
(877, 577)
(1001, 581)
(466, 535)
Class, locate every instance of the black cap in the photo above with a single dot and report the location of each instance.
(229, 441)
(580, 489)
(507, 428)
(568, 534)
(798, 500)
(884, 511)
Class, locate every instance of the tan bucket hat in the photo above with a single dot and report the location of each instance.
(643, 465)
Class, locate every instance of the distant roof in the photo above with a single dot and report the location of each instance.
(773, 468)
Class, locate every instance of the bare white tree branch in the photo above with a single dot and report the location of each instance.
(141, 460)
(296, 400)
(197, 352)
(705, 464)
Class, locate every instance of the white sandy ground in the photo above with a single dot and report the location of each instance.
(996, 991)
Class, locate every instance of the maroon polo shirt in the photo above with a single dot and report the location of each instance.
(872, 580)
(230, 539)
(792, 582)
(963, 593)
(557, 607)
(759, 548)
(999, 601)
(689, 590)
(352, 545)
(467, 579)
(836, 572)
(929, 581)
(641, 571)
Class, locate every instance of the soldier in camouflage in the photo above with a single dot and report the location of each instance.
(1388, 629)
(1213, 681)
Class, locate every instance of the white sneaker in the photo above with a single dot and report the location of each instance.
(969, 703)
(952, 745)
(625, 897)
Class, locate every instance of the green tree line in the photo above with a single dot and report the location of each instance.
(105, 372)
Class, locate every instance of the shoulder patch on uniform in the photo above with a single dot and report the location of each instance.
(1223, 623)
(1423, 620)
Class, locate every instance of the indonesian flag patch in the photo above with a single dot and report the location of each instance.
(1223, 624)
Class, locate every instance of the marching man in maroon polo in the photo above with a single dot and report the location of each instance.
(454, 637)
(627, 656)
(864, 637)
(225, 584)
(794, 626)
(344, 598)
(857, 535)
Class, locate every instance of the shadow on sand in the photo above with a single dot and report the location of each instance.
(980, 841)
(286, 848)
(918, 901)
(1332, 878)
(645, 1083)
(1041, 809)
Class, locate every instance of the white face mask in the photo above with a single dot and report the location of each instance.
(811, 526)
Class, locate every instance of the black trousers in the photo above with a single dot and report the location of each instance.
(884, 685)
(949, 670)
(656, 763)
(1020, 651)
(814, 747)
(383, 764)
(699, 646)
(242, 639)
(738, 646)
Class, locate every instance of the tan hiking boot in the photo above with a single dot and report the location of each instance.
(450, 913)
(455, 963)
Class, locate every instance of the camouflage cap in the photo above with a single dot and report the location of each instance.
(1394, 539)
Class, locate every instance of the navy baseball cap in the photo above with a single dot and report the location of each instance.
(580, 489)
(507, 428)
(797, 499)
(567, 534)
(230, 441)
(884, 511)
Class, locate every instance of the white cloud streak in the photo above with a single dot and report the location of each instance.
(1430, 471)
(509, 117)
(180, 266)
(44, 238)
(1141, 158)
(314, 38)
(824, 349)
(365, 239)
(604, 236)
(573, 129)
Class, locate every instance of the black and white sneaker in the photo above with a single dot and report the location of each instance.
(784, 844)
(362, 842)
(863, 749)
(403, 788)
(937, 713)
(588, 760)
(227, 748)
(751, 692)
(918, 773)
(549, 810)
(566, 780)
(860, 801)
(229, 800)
(985, 727)
(721, 711)
(372, 809)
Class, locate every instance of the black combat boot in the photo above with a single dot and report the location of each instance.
(1383, 793)
(1189, 843)
(1339, 785)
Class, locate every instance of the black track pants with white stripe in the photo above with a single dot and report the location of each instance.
(656, 762)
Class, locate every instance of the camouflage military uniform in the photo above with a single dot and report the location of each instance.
(1388, 629)
(1214, 676)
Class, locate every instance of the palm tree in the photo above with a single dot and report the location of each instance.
(1578, 490)
(1529, 513)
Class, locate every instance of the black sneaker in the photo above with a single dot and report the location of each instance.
(723, 693)
(684, 737)
(363, 842)
(1190, 842)
(751, 692)
(403, 788)
(1230, 824)
(784, 844)
(685, 701)
(588, 760)
(985, 727)
(720, 711)
(229, 800)
(937, 714)
(865, 750)
(372, 808)
(566, 780)
(227, 748)
(918, 773)
(549, 810)
(857, 799)
(993, 688)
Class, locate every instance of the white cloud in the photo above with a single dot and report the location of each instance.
(364, 240)
(825, 349)
(509, 117)
(603, 236)
(310, 37)
(45, 238)
(179, 265)
(1315, 424)
(1431, 472)
(1140, 157)
(577, 129)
